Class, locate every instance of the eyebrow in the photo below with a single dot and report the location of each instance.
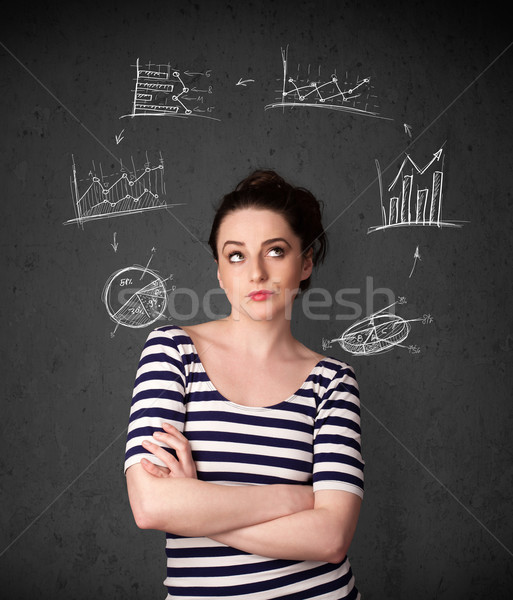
(271, 241)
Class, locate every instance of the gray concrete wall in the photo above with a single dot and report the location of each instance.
(436, 519)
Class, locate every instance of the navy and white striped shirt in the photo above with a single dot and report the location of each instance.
(313, 437)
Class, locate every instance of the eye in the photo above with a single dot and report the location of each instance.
(276, 251)
(235, 257)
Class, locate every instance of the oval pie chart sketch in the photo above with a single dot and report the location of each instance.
(378, 333)
(135, 297)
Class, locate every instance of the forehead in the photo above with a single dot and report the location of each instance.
(254, 223)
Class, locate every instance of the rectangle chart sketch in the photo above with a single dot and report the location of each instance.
(161, 90)
(124, 192)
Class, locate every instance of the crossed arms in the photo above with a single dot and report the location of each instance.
(278, 521)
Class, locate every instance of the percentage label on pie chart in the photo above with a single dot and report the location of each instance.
(135, 297)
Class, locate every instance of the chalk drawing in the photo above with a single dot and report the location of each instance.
(379, 333)
(124, 192)
(244, 82)
(308, 87)
(161, 90)
(135, 297)
(422, 208)
(416, 257)
(115, 243)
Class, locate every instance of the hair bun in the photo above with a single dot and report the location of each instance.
(262, 178)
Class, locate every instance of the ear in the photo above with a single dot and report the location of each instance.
(219, 279)
(307, 267)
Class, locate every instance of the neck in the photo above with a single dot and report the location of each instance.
(260, 339)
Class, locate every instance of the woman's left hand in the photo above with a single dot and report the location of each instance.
(182, 466)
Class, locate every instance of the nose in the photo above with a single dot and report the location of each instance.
(257, 271)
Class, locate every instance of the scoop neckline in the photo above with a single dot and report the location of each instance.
(213, 388)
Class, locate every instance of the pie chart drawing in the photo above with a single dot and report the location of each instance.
(135, 297)
(378, 333)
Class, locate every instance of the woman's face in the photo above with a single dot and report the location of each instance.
(260, 264)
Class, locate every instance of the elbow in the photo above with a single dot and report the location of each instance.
(337, 555)
(335, 549)
(143, 520)
(143, 515)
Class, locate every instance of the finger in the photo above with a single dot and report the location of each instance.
(176, 433)
(181, 446)
(172, 430)
(153, 469)
(169, 460)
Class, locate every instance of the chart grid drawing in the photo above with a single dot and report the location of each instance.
(162, 90)
(406, 206)
(122, 193)
(307, 87)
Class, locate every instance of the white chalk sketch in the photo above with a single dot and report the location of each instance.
(416, 257)
(305, 86)
(421, 208)
(379, 333)
(114, 243)
(135, 297)
(161, 90)
(124, 192)
(119, 137)
(244, 82)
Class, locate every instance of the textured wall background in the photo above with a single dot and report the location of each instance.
(436, 520)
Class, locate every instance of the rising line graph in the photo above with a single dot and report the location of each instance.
(124, 192)
(415, 195)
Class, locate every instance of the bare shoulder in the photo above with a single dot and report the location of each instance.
(205, 333)
(309, 354)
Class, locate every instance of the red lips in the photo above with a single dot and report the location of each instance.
(259, 295)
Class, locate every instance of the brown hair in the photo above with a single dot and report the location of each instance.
(267, 190)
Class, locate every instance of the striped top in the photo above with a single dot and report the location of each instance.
(312, 437)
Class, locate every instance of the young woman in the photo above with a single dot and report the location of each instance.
(243, 444)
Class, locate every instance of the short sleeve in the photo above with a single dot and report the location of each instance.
(338, 462)
(158, 395)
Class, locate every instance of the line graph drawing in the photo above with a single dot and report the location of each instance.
(408, 209)
(124, 192)
(135, 297)
(161, 90)
(380, 332)
(308, 87)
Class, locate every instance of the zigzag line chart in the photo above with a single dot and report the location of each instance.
(307, 88)
(131, 191)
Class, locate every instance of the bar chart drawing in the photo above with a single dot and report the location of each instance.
(124, 192)
(307, 87)
(405, 207)
(161, 90)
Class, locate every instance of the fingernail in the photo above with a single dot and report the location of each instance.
(146, 443)
(157, 434)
